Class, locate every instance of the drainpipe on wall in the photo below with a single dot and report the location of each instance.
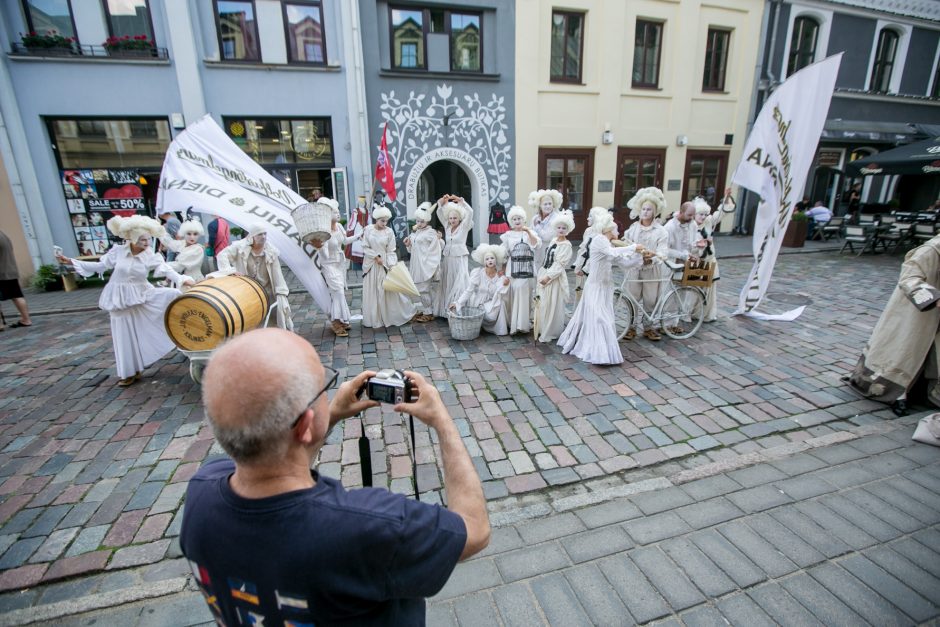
(356, 93)
(22, 175)
(760, 86)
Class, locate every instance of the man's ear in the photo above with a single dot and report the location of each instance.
(305, 430)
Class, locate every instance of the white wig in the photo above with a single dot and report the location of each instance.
(535, 198)
(133, 227)
(192, 226)
(257, 228)
(481, 252)
(450, 208)
(381, 213)
(567, 218)
(652, 194)
(603, 224)
(516, 210)
(701, 205)
(422, 215)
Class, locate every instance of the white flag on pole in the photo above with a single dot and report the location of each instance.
(775, 163)
(206, 170)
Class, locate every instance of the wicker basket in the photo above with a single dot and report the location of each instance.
(466, 324)
(312, 221)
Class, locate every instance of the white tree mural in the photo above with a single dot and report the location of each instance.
(480, 129)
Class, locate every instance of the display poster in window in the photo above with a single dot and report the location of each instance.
(93, 197)
(340, 191)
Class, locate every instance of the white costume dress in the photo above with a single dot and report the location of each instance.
(332, 260)
(381, 308)
(425, 266)
(520, 289)
(136, 307)
(552, 297)
(188, 259)
(545, 229)
(265, 268)
(708, 254)
(455, 272)
(591, 334)
(646, 282)
(489, 293)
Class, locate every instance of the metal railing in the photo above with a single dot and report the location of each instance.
(75, 50)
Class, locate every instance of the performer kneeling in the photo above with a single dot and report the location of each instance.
(379, 307)
(332, 261)
(487, 289)
(254, 257)
(552, 287)
(425, 245)
(519, 245)
(591, 335)
(136, 307)
(905, 344)
(189, 252)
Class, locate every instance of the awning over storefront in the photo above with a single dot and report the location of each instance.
(922, 157)
(865, 130)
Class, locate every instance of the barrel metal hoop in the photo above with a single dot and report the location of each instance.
(234, 302)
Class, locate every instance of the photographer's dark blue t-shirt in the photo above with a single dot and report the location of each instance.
(322, 556)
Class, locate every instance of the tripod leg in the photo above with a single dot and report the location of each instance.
(365, 461)
(414, 456)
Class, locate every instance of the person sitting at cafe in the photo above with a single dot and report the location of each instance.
(818, 216)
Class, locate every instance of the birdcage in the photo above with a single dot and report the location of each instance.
(520, 261)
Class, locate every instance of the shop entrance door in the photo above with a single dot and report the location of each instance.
(705, 176)
(636, 168)
(570, 171)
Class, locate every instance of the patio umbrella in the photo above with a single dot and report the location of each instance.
(921, 157)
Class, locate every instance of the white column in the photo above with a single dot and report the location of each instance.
(184, 33)
(356, 96)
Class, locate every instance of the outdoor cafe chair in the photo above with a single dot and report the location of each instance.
(859, 235)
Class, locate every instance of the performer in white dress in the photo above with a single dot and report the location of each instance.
(487, 288)
(545, 203)
(591, 334)
(256, 258)
(136, 307)
(705, 222)
(519, 246)
(647, 282)
(552, 287)
(426, 246)
(190, 254)
(379, 307)
(331, 260)
(455, 272)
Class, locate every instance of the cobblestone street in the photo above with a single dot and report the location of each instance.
(92, 476)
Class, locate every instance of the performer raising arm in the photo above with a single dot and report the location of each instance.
(425, 245)
(455, 272)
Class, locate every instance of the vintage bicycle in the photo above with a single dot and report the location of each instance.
(680, 308)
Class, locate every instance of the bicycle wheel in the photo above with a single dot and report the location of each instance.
(683, 312)
(623, 315)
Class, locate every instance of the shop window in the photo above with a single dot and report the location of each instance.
(408, 38)
(117, 143)
(935, 90)
(647, 49)
(884, 61)
(129, 18)
(275, 141)
(43, 16)
(238, 30)
(567, 47)
(716, 59)
(802, 44)
(306, 42)
(465, 42)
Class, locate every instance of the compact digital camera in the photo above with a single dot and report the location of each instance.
(389, 386)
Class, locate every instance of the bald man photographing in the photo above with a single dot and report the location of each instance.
(270, 539)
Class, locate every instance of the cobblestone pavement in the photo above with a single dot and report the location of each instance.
(92, 476)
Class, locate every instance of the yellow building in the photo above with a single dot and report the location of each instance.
(612, 96)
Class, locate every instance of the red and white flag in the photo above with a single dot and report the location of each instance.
(384, 173)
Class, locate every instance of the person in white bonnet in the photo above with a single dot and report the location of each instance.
(487, 288)
(455, 267)
(646, 282)
(189, 252)
(255, 257)
(426, 246)
(332, 262)
(546, 203)
(381, 308)
(136, 307)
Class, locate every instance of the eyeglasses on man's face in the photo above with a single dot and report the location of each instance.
(331, 376)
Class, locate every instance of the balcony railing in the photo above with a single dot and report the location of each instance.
(77, 51)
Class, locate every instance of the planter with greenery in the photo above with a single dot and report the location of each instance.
(136, 46)
(49, 43)
(47, 278)
(795, 235)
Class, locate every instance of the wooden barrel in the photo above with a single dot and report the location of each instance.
(213, 310)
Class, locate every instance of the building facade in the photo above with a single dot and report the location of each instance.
(615, 96)
(440, 77)
(887, 92)
(89, 110)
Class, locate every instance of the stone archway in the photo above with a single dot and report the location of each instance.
(479, 186)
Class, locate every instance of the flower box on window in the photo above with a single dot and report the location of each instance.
(127, 46)
(49, 43)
